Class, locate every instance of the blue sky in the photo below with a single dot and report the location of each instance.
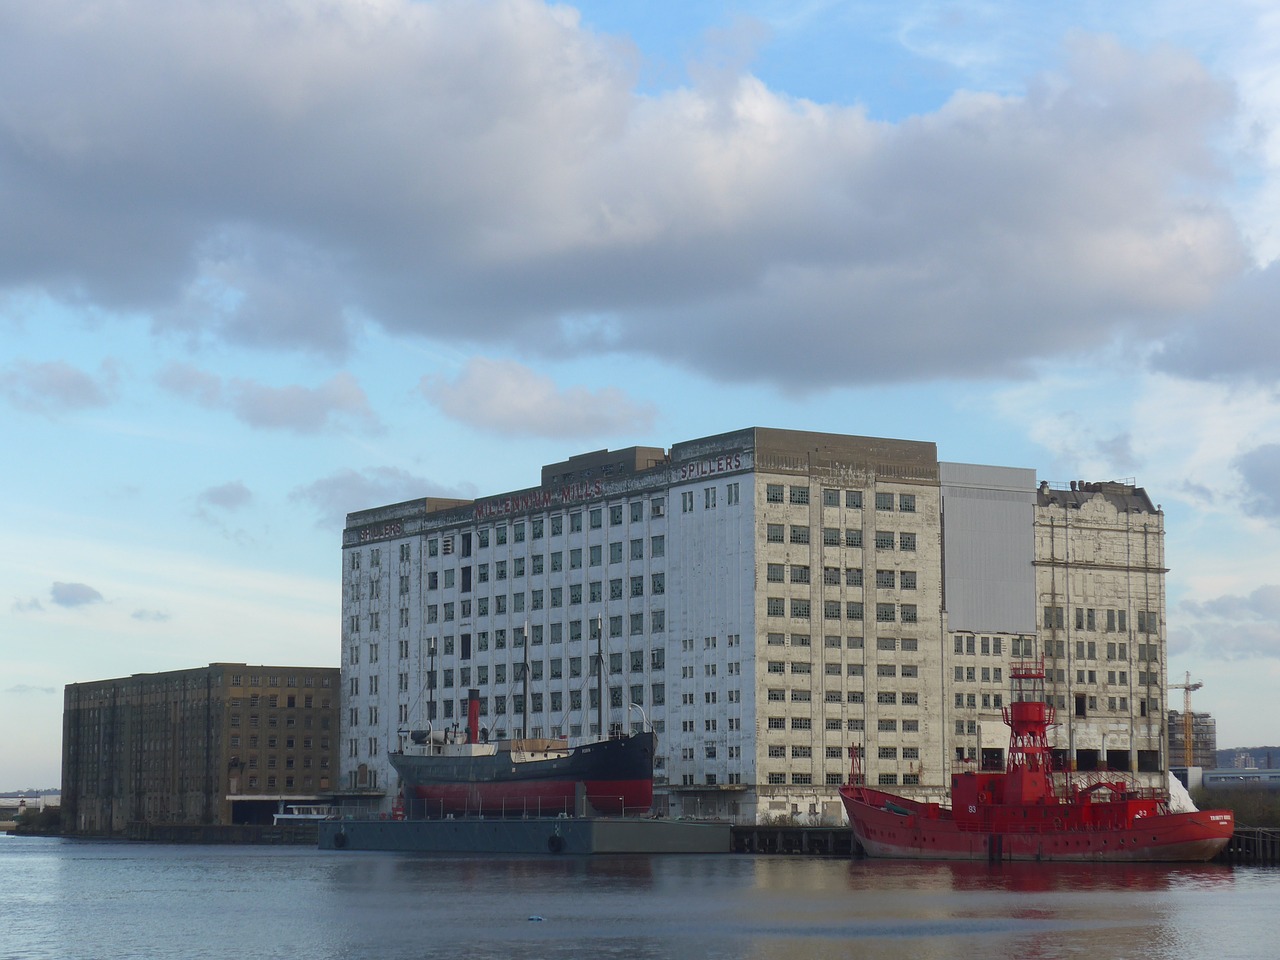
(262, 264)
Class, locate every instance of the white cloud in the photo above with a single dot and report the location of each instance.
(151, 616)
(338, 403)
(508, 398)
(1234, 626)
(74, 594)
(349, 490)
(56, 386)
(482, 172)
(227, 496)
(1260, 470)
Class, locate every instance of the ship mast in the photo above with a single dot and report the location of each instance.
(599, 655)
(1028, 717)
(524, 676)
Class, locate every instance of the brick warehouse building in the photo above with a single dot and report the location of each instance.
(226, 743)
(764, 598)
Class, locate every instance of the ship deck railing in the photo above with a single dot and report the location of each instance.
(1067, 782)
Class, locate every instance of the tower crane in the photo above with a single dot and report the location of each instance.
(1186, 688)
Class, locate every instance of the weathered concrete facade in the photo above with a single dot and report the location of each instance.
(1100, 585)
(211, 745)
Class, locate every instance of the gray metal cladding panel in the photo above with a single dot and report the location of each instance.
(989, 548)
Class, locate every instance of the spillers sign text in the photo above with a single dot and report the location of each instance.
(539, 499)
(709, 466)
(380, 531)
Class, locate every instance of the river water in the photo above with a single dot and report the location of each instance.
(65, 898)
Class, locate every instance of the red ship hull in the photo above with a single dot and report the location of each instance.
(891, 826)
(1024, 813)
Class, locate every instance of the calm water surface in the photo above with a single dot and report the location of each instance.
(74, 899)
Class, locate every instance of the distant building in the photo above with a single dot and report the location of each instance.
(1204, 740)
(1244, 760)
(221, 744)
(764, 598)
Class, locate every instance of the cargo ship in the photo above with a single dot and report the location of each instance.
(1021, 813)
(461, 773)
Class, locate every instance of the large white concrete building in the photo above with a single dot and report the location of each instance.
(764, 598)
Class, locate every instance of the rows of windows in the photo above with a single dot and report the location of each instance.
(1094, 620)
(837, 576)
(799, 495)
(276, 680)
(801, 608)
(800, 535)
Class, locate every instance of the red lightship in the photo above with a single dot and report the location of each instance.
(1019, 814)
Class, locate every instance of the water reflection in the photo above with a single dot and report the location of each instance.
(1036, 877)
(108, 900)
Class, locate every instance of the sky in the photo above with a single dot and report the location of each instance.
(263, 264)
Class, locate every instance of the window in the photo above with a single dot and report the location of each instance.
(884, 501)
(907, 579)
(709, 498)
(886, 579)
(774, 533)
(776, 572)
(658, 546)
(907, 502)
(906, 541)
(799, 534)
(831, 536)
(884, 540)
(853, 610)
(885, 613)
(686, 502)
(800, 609)
(799, 573)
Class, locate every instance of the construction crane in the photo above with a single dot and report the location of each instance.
(1186, 689)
